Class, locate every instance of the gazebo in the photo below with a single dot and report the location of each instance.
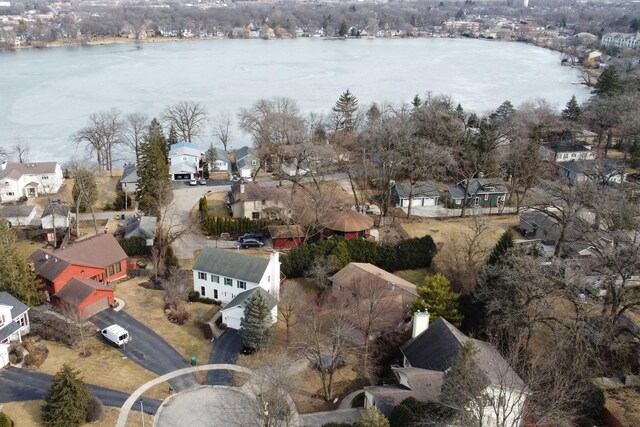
(347, 224)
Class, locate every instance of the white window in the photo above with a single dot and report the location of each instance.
(476, 200)
(45, 177)
(215, 279)
(242, 284)
(486, 197)
(254, 162)
(228, 282)
(202, 276)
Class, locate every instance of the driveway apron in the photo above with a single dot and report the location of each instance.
(226, 349)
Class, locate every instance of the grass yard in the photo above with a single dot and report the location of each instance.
(415, 276)
(215, 202)
(27, 414)
(118, 372)
(28, 247)
(147, 306)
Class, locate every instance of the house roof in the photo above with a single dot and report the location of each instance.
(12, 211)
(222, 155)
(286, 231)
(243, 152)
(255, 191)
(77, 290)
(231, 264)
(130, 174)
(17, 306)
(602, 168)
(479, 186)
(540, 221)
(140, 226)
(184, 144)
(348, 221)
(183, 167)
(362, 272)
(8, 329)
(569, 147)
(101, 251)
(243, 298)
(440, 344)
(420, 189)
(16, 170)
(59, 209)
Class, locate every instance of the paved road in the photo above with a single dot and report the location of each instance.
(226, 349)
(23, 384)
(147, 348)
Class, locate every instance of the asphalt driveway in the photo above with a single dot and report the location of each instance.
(22, 384)
(147, 348)
(226, 349)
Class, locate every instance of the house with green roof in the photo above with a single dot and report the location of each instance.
(233, 312)
(224, 274)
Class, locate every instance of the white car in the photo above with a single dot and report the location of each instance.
(193, 182)
(116, 335)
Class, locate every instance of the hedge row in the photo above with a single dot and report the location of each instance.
(410, 253)
(215, 225)
(134, 246)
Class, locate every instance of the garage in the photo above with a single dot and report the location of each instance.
(86, 296)
(422, 194)
(181, 176)
(95, 307)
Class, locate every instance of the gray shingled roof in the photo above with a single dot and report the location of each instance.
(231, 264)
(13, 211)
(17, 307)
(420, 189)
(16, 170)
(143, 226)
(478, 186)
(222, 155)
(243, 298)
(62, 210)
(130, 174)
(9, 329)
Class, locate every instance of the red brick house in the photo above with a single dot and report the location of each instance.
(286, 236)
(100, 258)
(86, 296)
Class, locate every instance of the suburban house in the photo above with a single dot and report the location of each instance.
(286, 236)
(249, 199)
(184, 161)
(566, 151)
(56, 216)
(605, 171)
(18, 215)
(621, 40)
(29, 180)
(141, 226)
(539, 226)
(86, 296)
(247, 162)
(223, 275)
(233, 312)
(348, 224)
(129, 180)
(424, 194)
(14, 323)
(429, 355)
(99, 258)
(482, 192)
(294, 168)
(222, 163)
(356, 279)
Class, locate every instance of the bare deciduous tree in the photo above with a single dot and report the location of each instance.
(22, 150)
(134, 130)
(292, 298)
(222, 129)
(78, 328)
(188, 118)
(176, 288)
(101, 135)
(319, 271)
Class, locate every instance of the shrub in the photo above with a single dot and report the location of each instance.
(133, 246)
(205, 300)
(5, 421)
(179, 315)
(38, 352)
(119, 203)
(95, 409)
(223, 326)
(13, 358)
(193, 296)
(28, 360)
(205, 327)
(216, 225)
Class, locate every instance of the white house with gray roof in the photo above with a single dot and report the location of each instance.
(223, 274)
(129, 180)
(233, 312)
(18, 215)
(29, 180)
(14, 323)
(222, 163)
(184, 160)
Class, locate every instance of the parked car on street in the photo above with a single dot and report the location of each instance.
(251, 243)
(203, 181)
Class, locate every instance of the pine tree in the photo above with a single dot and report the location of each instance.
(608, 83)
(344, 29)
(417, 102)
(16, 276)
(345, 112)
(372, 417)
(154, 183)
(502, 247)
(436, 297)
(572, 110)
(67, 401)
(254, 326)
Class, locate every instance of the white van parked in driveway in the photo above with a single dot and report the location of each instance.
(116, 334)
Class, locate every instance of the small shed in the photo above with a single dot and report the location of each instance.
(286, 236)
(348, 224)
(233, 312)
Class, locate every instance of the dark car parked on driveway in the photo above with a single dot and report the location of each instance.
(254, 236)
(251, 243)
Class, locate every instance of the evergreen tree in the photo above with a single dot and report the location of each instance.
(173, 136)
(436, 297)
(502, 247)
(16, 276)
(572, 110)
(372, 417)
(345, 112)
(154, 183)
(344, 29)
(608, 83)
(503, 113)
(67, 401)
(417, 102)
(254, 326)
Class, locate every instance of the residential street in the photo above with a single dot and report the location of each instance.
(226, 349)
(146, 348)
(23, 384)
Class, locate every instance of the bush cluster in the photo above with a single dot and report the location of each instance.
(410, 253)
(5, 421)
(215, 225)
(135, 246)
(194, 296)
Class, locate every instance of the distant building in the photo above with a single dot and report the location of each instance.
(250, 199)
(18, 215)
(621, 40)
(129, 180)
(184, 161)
(29, 180)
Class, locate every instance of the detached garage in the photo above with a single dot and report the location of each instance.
(233, 312)
(87, 296)
(424, 194)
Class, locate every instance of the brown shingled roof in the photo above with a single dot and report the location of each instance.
(255, 191)
(348, 221)
(359, 272)
(77, 290)
(286, 231)
(15, 170)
